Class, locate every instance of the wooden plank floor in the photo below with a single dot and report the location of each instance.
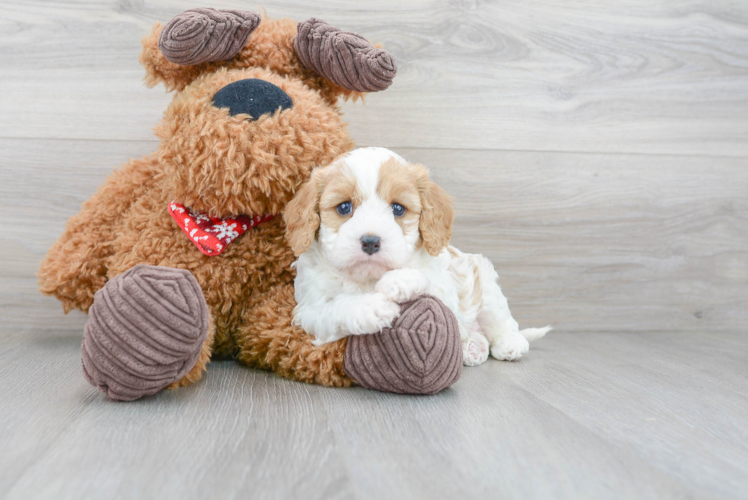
(584, 415)
(598, 154)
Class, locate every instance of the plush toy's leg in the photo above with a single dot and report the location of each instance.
(201, 366)
(268, 340)
(147, 329)
(420, 354)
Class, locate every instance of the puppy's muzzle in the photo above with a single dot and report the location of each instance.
(370, 243)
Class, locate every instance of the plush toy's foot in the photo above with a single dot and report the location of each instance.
(420, 354)
(145, 330)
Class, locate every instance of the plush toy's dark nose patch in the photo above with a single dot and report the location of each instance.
(253, 97)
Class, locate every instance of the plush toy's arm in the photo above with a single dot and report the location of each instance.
(76, 265)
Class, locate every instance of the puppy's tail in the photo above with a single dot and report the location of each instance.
(533, 334)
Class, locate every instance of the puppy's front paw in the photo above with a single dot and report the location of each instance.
(401, 285)
(372, 316)
(510, 346)
(474, 350)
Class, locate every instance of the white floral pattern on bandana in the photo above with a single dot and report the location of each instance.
(212, 235)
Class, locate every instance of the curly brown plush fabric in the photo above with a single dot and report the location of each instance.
(222, 165)
(344, 58)
(144, 332)
(419, 354)
(197, 36)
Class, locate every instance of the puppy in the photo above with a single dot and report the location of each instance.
(372, 230)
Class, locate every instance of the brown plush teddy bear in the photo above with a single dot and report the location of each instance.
(181, 255)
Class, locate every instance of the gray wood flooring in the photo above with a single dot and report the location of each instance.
(584, 415)
(598, 154)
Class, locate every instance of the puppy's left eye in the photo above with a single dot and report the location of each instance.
(344, 208)
(398, 210)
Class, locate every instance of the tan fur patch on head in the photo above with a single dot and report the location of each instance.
(398, 184)
(340, 186)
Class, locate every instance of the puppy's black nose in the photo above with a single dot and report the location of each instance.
(370, 243)
(253, 97)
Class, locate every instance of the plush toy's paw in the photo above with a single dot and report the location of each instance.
(378, 313)
(145, 330)
(402, 285)
(509, 346)
(474, 350)
(420, 354)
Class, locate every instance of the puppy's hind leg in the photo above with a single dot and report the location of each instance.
(500, 328)
(475, 347)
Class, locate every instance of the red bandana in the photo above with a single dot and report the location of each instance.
(212, 235)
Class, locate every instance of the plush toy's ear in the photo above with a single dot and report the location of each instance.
(437, 214)
(177, 53)
(346, 59)
(302, 214)
(198, 36)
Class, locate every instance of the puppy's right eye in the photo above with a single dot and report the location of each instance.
(344, 208)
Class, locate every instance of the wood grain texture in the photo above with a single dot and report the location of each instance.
(649, 77)
(599, 242)
(586, 242)
(598, 415)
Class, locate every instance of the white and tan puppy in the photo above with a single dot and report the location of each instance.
(372, 230)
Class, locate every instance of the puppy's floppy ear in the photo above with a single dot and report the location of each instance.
(302, 214)
(437, 214)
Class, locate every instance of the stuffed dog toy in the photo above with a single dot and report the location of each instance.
(181, 256)
(371, 231)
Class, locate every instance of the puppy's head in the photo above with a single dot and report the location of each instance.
(369, 211)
